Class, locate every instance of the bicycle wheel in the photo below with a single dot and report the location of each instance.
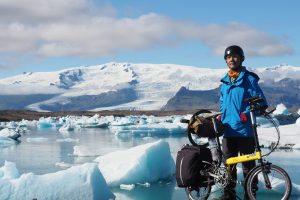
(200, 193)
(194, 139)
(280, 187)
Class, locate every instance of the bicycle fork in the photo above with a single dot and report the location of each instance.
(265, 169)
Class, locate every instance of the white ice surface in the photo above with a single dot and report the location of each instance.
(37, 139)
(6, 132)
(298, 122)
(81, 150)
(153, 84)
(281, 109)
(67, 140)
(140, 164)
(78, 182)
(289, 134)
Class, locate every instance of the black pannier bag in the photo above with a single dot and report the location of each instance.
(189, 162)
(204, 127)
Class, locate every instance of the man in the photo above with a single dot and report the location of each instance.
(237, 85)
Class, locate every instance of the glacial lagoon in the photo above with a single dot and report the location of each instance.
(43, 151)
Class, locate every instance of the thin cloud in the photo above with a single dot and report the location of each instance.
(255, 42)
(39, 11)
(77, 28)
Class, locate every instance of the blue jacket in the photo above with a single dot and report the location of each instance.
(232, 103)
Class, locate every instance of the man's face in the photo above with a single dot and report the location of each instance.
(233, 61)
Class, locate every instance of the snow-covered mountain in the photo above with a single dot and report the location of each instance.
(135, 86)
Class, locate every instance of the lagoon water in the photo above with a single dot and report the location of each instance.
(40, 151)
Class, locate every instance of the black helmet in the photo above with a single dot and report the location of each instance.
(234, 49)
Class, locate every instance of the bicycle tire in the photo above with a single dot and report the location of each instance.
(202, 193)
(280, 182)
(191, 134)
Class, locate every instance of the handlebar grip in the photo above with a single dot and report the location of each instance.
(185, 121)
(253, 99)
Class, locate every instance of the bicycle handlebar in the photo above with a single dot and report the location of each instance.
(211, 115)
(255, 99)
(205, 115)
(185, 121)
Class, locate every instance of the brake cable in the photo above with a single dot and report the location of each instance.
(268, 117)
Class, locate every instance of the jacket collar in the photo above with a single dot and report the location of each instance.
(238, 80)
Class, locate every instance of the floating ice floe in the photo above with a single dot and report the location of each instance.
(289, 136)
(48, 122)
(83, 151)
(123, 121)
(265, 123)
(281, 109)
(127, 187)
(67, 140)
(10, 133)
(78, 182)
(145, 163)
(298, 122)
(66, 128)
(37, 139)
(91, 122)
(149, 130)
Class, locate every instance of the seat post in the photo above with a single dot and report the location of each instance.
(218, 140)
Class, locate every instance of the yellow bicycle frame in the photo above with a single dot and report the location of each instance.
(243, 158)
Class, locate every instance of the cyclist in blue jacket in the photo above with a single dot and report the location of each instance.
(237, 85)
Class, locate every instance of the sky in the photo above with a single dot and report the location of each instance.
(43, 35)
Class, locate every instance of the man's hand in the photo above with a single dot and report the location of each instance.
(219, 118)
(243, 117)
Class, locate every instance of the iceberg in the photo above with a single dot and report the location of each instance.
(265, 123)
(123, 121)
(149, 129)
(78, 182)
(298, 122)
(66, 128)
(10, 133)
(145, 163)
(67, 140)
(82, 151)
(281, 109)
(37, 139)
(48, 122)
(127, 187)
(289, 136)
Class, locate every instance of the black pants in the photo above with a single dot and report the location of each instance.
(231, 147)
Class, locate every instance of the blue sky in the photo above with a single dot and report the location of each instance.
(42, 35)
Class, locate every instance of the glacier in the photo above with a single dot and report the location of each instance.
(125, 86)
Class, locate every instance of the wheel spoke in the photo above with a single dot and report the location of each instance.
(280, 187)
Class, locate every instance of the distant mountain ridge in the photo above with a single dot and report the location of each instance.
(125, 86)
